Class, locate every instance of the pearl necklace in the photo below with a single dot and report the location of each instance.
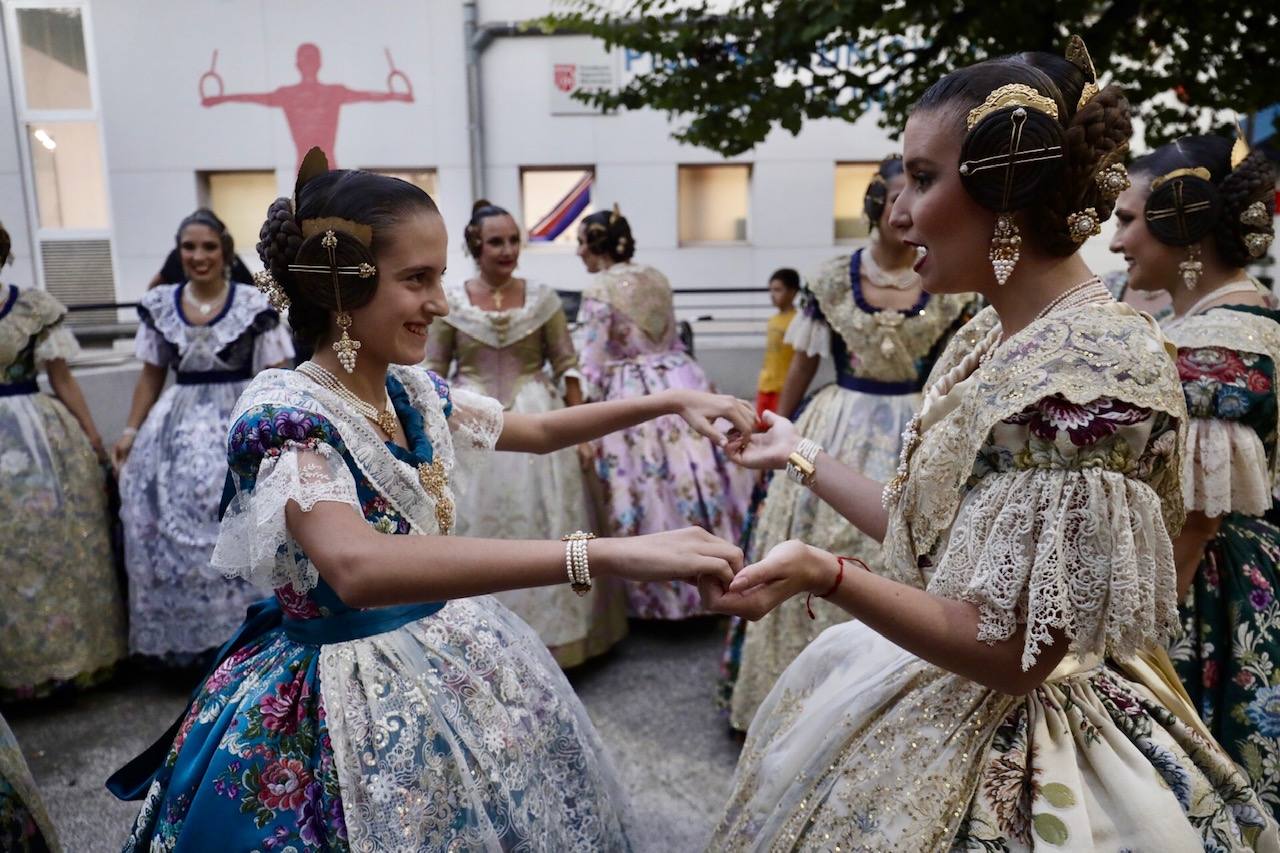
(1086, 292)
(385, 419)
(205, 308)
(876, 275)
(1246, 286)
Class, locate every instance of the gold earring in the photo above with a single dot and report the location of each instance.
(1005, 248)
(1191, 268)
(346, 345)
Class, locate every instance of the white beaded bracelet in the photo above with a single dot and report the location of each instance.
(576, 563)
(800, 467)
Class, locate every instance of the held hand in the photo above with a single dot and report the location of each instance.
(687, 554)
(766, 450)
(700, 409)
(790, 568)
(120, 452)
(95, 441)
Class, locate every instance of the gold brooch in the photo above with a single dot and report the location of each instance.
(1256, 215)
(434, 480)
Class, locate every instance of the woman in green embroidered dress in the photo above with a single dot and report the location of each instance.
(1011, 704)
(1228, 339)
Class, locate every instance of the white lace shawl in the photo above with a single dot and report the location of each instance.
(270, 348)
(253, 541)
(540, 304)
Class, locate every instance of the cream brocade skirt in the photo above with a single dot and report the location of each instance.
(864, 432)
(864, 746)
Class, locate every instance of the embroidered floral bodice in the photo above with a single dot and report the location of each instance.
(1227, 364)
(1060, 518)
(291, 440)
(32, 332)
(869, 342)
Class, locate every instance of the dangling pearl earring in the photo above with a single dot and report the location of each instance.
(1191, 268)
(1005, 248)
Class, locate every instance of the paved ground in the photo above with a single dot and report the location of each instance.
(651, 699)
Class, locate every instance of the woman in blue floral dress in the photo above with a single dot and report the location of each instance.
(1228, 343)
(382, 700)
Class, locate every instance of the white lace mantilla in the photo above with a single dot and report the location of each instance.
(252, 534)
(161, 305)
(1234, 330)
(1085, 354)
(500, 329)
(1085, 552)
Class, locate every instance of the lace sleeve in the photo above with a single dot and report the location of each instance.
(809, 334)
(1225, 468)
(476, 421)
(151, 347)
(1082, 551)
(56, 343)
(271, 347)
(254, 541)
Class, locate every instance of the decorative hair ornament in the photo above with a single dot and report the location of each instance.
(1256, 215)
(267, 283)
(345, 346)
(1194, 172)
(615, 214)
(1084, 224)
(1112, 181)
(1258, 242)
(1239, 150)
(1078, 55)
(1011, 95)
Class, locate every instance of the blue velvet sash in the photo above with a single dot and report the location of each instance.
(132, 781)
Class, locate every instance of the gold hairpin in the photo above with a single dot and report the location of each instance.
(1011, 95)
(1194, 172)
(615, 214)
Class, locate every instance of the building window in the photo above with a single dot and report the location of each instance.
(554, 201)
(424, 179)
(50, 53)
(714, 203)
(852, 180)
(66, 165)
(240, 199)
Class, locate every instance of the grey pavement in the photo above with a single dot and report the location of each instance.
(651, 698)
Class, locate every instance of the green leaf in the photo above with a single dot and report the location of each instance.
(1050, 829)
(1058, 795)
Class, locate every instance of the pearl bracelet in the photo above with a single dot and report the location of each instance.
(800, 467)
(576, 564)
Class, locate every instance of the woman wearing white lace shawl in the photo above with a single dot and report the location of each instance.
(1228, 338)
(1010, 704)
(382, 701)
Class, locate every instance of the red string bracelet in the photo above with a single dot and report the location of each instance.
(808, 602)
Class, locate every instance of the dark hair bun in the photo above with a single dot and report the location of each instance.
(877, 195)
(608, 233)
(1245, 230)
(1183, 209)
(480, 211)
(1011, 158)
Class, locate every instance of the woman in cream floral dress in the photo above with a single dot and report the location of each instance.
(883, 333)
(1228, 343)
(498, 338)
(1017, 702)
(61, 613)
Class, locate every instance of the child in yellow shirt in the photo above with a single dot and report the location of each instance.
(783, 286)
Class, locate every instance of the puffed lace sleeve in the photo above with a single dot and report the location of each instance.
(476, 421)
(278, 455)
(1063, 530)
(272, 343)
(1231, 400)
(809, 332)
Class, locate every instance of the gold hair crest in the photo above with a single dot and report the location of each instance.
(1011, 95)
(1078, 55)
(1195, 172)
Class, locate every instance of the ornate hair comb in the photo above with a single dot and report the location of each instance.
(1011, 95)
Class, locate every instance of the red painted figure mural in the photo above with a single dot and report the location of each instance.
(310, 107)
